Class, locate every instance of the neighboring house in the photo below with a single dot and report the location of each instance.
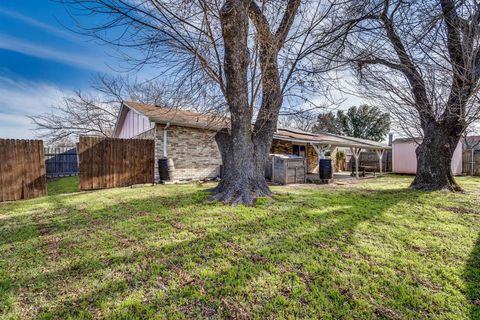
(188, 138)
(405, 158)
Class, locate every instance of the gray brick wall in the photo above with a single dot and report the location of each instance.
(194, 152)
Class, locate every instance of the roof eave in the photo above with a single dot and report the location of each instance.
(186, 124)
(337, 144)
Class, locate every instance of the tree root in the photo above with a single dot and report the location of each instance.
(450, 186)
(239, 194)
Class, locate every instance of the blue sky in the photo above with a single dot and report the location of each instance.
(40, 60)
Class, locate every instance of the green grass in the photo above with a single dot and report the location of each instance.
(373, 250)
(62, 185)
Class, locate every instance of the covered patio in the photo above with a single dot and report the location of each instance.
(313, 147)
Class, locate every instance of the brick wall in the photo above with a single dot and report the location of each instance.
(286, 147)
(281, 147)
(194, 152)
(333, 156)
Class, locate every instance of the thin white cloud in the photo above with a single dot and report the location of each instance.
(39, 24)
(21, 99)
(40, 51)
(13, 120)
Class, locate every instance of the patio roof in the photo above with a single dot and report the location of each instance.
(324, 138)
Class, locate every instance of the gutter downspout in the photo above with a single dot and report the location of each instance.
(165, 142)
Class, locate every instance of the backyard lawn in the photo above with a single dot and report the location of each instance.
(63, 185)
(372, 250)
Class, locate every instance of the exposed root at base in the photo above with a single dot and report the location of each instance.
(452, 187)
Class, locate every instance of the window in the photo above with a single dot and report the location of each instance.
(299, 150)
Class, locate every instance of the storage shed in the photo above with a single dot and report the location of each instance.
(405, 158)
(286, 169)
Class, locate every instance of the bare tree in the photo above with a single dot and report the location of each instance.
(422, 60)
(302, 119)
(78, 114)
(246, 56)
(94, 112)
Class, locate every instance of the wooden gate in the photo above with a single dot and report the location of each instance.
(110, 162)
(22, 169)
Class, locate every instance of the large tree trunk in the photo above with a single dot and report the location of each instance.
(434, 158)
(245, 148)
(243, 181)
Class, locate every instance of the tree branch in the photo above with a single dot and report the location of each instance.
(287, 20)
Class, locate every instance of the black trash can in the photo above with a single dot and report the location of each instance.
(325, 169)
(165, 169)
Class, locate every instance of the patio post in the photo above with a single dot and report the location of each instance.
(356, 154)
(380, 157)
(315, 147)
(320, 150)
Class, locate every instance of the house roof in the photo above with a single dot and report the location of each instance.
(178, 117)
(200, 120)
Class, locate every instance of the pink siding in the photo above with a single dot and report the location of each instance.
(405, 159)
(134, 124)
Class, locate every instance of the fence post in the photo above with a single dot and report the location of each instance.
(472, 162)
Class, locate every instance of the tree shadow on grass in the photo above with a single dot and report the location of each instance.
(236, 252)
(64, 217)
(472, 279)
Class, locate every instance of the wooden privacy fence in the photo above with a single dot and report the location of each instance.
(61, 161)
(22, 169)
(109, 163)
(471, 162)
(370, 158)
